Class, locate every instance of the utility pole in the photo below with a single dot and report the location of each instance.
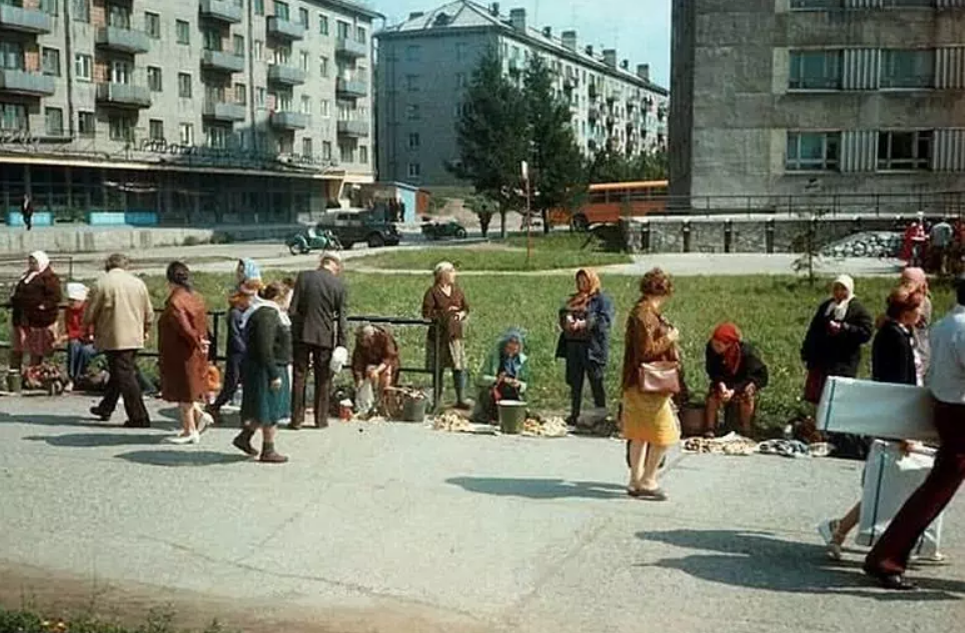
(529, 218)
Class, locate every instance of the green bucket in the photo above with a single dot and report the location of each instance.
(512, 415)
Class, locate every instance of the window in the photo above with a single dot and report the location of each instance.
(83, 67)
(282, 55)
(412, 112)
(281, 11)
(322, 24)
(413, 53)
(812, 151)
(904, 150)
(412, 83)
(121, 127)
(326, 109)
(360, 34)
(462, 51)
(283, 101)
(152, 25)
(327, 150)
(414, 140)
(259, 7)
(261, 98)
(815, 70)
(51, 62)
(156, 130)
(303, 17)
(13, 117)
(217, 136)
(54, 121)
(241, 94)
(211, 39)
(461, 81)
(907, 68)
(816, 4)
(363, 154)
(307, 147)
(154, 79)
(344, 28)
(121, 71)
(323, 66)
(119, 16)
(346, 154)
(415, 170)
(184, 85)
(239, 45)
(81, 10)
(11, 55)
(306, 107)
(50, 7)
(183, 30)
(186, 134)
(306, 61)
(259, 50)
(86, 123)
(909, 3)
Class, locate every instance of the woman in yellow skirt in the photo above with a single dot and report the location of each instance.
(649, 421)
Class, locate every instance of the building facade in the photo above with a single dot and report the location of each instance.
(426, 63)
(841, 99)
(195, 111)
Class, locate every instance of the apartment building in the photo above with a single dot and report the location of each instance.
(184, 111)
(427, 61)
(776, 99)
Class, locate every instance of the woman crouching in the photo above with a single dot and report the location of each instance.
(504, 376)
(736, 374)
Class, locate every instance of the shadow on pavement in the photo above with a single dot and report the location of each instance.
(56, 420)
(538, 488)
(177, 457)
(91, 440)
(757, 560)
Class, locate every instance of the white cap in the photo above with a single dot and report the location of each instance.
(76, 291)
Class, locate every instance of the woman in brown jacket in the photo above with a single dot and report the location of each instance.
(183, 352)
(445, 305)
(36, 309)
(649, 421)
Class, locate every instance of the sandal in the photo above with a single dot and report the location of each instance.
(657, 494)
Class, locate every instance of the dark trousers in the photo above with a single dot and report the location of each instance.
(890, 554)
(28, 220)
(318, 358)
(123, 383)
(232, 378)
(578, 367)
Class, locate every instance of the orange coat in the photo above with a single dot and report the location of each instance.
(182, 331)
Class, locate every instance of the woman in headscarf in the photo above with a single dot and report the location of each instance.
(36, 310)
(916, 281)
(265, 390)
(585, 321)
(375, 367)
(445, 305)
(183, 352)
(248, 277)
(648, 418)
(736, 374)
(503, 376)
(832, 346)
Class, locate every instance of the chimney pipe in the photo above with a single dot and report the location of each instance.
(625, 64)
(494, 9)
(547, 32)
(610, 57)
(569, 40)
(517, 18)
(589, 50)
(643, 71)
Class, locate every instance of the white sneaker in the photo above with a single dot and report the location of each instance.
(193, 438)
(828, 530)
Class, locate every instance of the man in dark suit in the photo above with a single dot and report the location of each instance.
(319, 325)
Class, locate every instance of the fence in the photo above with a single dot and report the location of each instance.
(950, 203)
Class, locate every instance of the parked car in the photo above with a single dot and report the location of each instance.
(354, 226)
(443, 228)
(313, 239)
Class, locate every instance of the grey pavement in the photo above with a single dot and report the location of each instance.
(395, 527)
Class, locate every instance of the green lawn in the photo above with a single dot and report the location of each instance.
(772, 311)
(554, 251)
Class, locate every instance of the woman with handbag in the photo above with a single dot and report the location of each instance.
(651, 366)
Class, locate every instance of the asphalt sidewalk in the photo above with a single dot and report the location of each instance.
(395, 527)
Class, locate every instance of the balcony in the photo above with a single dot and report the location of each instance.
(223, 111)
(220, 60)
(350, 48)
(224, 10)
(353, 128)
(123, 40)
(283, 29)
(288, 120)
(24, 20)
(351, 87)
(124, 95)
(26, 83)
(286, 75)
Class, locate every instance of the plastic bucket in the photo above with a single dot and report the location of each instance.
(414, 409)
(512, 415)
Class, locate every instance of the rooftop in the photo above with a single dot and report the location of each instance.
(354, 6)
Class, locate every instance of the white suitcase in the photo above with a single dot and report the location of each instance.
(876, 409)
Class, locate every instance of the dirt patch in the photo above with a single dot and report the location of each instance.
(55, 594)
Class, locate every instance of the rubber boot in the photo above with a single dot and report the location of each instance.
(243, 441)
(459, 381)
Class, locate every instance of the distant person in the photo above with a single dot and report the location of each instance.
(78, 337)
(319, 324)
(445, 305)
(503, 376)
(888, 559)
(939, 244)
(375, 367)
(183, 352)
(119, 309)
(585, 322)
(36, 310)
(736, 373)
(27, 211)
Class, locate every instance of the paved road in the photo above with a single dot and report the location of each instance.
(399, 528)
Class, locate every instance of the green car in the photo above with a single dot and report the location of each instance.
(313, 239)
(443, 228)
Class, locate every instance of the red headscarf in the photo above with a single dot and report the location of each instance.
(729, 335)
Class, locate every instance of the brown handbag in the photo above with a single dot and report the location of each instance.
(659, 377)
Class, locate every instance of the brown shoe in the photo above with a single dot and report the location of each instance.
(243, 443)
(273, 458)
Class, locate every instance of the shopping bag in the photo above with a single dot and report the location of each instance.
(889, 479)
(876, 409)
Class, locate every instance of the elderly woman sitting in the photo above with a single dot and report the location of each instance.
(504, 376)
(375, 366)
(736, 374)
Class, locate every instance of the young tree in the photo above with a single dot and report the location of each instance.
(492, 136)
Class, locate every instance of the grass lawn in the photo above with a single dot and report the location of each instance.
(557, 250)
(772, 311)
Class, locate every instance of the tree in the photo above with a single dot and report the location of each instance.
(484, 207)
(492, 136)
(555, 162)
(610, 165)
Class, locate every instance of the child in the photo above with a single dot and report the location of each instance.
(79, 338)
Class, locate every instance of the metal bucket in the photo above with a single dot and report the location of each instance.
(414, 409)
(14, 381)
(512, 415)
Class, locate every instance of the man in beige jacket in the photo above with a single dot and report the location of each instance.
(119, 308)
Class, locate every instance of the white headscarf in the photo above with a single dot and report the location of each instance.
(257, 303)
(838, 311)
(43, 263)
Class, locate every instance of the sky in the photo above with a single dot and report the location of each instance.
(638, 29)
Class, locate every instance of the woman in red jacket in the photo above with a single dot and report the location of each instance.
(36, 309)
